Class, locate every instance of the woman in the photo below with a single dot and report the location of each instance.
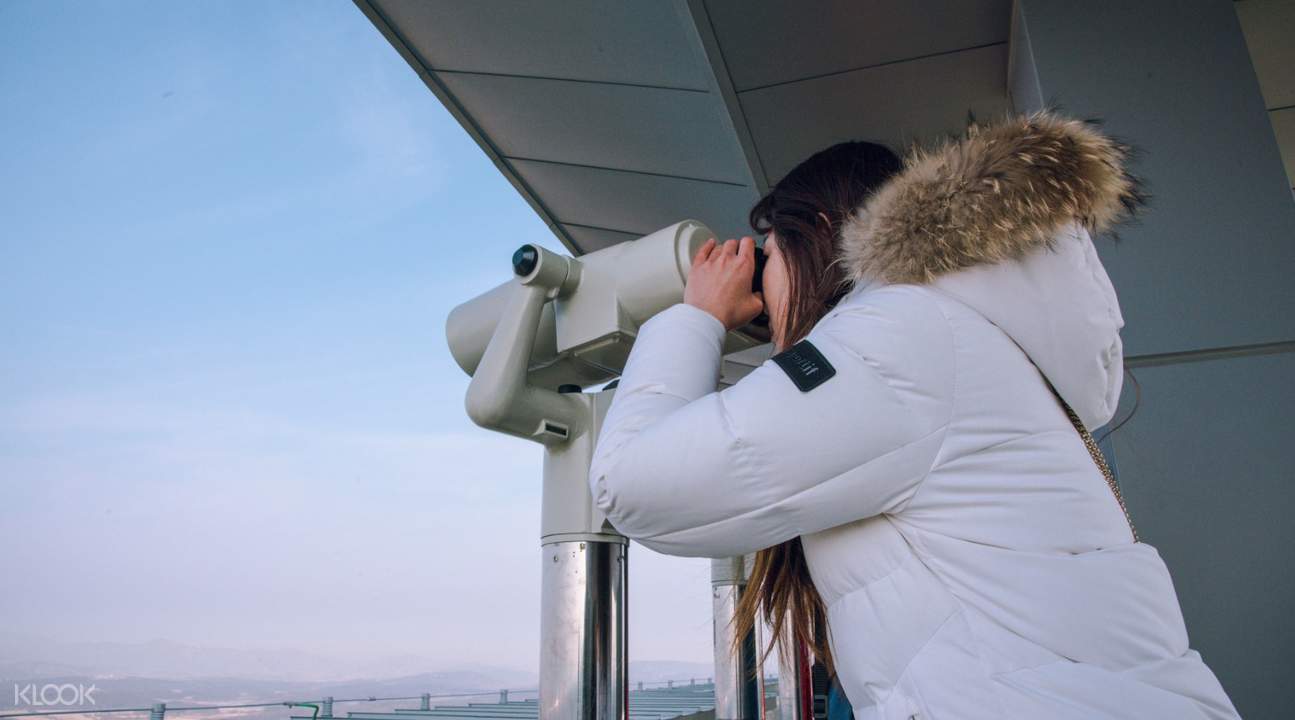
(924, 506)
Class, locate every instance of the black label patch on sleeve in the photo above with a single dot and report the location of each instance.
(805, 365)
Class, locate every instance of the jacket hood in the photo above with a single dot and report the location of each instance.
(1002, 220)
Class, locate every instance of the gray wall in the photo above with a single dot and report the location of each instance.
(1205, 466)
(1205, 284)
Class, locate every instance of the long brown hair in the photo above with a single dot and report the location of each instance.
(833, 182)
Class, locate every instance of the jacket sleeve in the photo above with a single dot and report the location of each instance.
(686, 470)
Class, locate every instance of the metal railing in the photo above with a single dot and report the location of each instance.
(323, 707)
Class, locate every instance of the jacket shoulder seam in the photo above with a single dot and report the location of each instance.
(938, 457)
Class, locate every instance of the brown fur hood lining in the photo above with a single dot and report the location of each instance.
(997, 193)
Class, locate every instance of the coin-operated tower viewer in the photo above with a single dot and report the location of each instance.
(532, 346)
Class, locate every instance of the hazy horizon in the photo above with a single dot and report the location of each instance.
(26, 656)
(228, 416)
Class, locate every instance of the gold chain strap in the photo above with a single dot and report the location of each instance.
(1098, 458)
(1089, 443)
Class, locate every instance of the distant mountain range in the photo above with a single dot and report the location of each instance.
(139, 674)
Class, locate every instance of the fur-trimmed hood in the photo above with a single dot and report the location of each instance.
(1001, 219)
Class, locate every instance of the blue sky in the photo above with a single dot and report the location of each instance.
(232, 232)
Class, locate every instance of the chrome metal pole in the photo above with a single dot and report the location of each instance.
(583, 664)
(793, 680)
(738, 687)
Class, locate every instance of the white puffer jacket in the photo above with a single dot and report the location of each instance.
(972, 558)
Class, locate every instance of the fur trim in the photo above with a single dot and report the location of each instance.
(995, 194)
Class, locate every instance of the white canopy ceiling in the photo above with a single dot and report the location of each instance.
(616, 119)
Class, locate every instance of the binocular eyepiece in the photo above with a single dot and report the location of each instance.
(525, 260)
(757, 283)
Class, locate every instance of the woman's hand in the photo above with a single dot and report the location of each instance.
(720, 282)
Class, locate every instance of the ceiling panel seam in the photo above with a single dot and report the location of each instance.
(627, 170)
(451, 103)
(1219, 353)
(874, 65)
(696, 17)
(608, 229)
(648, 86)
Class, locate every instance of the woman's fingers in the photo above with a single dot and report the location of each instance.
(732, 247)
(703, 252)
(720, 281)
